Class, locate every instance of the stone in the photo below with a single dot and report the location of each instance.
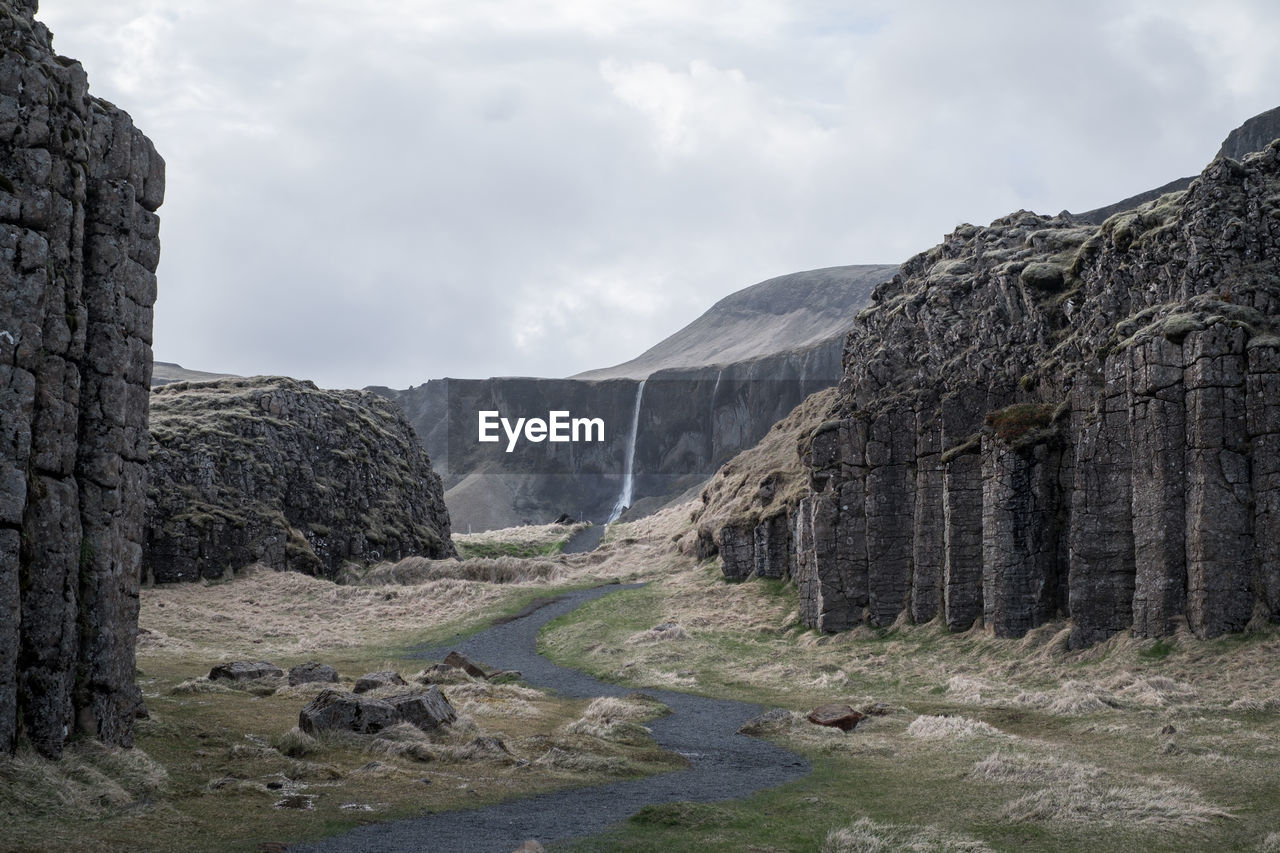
(836, 715)
(312, 672)
(244, 670)
(427, 710)
(336, 711)
(770, 721)
(75, 359)
(375, 680)
(462, 662)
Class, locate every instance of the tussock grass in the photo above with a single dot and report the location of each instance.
(89, 782)
(531, 540)
(501, 570)
(617, 719)
(951, 728)
(867, 836)
(1141, 805)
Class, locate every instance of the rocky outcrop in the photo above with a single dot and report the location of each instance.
(79, 187)
(275, 471)
(709, 391)
(1044, 419)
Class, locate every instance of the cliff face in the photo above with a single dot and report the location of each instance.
(710, 390)
(79, 186)
(1044, 418)
(273, 470)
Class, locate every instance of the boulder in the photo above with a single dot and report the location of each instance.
(427, 710)
(245, 670)
(312, 672)
(836, 715)
(333, 710)
(465, 664)
(374, 680)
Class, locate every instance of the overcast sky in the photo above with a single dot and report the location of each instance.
(392, 191)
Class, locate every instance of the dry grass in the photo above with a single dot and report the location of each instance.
(530, 540)
(868, 836)
(497, 570)
(90, 782)
(951, 728)
(1163, 807)
(735, 492)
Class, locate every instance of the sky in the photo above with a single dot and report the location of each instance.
(386, 192)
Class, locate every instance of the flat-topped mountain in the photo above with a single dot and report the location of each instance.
(672, 415)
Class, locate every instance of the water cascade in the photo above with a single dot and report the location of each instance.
(629, 469)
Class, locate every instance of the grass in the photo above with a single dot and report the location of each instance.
(989, 743)
(532, 540)
(218, 767)
(981, 743)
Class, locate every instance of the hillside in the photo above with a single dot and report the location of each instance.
(789, 313)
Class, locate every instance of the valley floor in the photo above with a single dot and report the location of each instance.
(978, 743)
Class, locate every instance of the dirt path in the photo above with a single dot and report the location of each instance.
(723, 764)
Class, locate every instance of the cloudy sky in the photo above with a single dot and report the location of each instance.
(390, 191)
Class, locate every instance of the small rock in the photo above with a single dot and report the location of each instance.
(463, 663)
(374, 680)
(530, 846)
(244, 670)
(275, 786)
(312, 672)
(1168, 730)
(877, 709)
(769, 721)
(836, 715)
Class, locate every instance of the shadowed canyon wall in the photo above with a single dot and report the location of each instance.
(1048, 418)
(79, 187)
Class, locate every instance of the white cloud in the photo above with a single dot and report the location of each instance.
(402, 190)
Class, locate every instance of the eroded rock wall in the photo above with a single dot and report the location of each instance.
(79, 245)
(1047, 418)
(276, 471)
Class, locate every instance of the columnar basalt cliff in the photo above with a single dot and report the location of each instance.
(1046, 418)
(79, 187)
(275, 471)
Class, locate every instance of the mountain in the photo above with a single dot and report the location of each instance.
(671, 416)
(790, 313)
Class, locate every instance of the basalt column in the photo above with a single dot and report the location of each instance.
(1102, 566)
(1263, 399)
(1218, 516)
(1157, 434)
(78, 252)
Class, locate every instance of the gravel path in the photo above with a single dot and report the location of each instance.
(723, 764)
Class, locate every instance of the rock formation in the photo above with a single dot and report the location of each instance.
(79, 187)
(1045, 418)
(710, 390)
(272, 470)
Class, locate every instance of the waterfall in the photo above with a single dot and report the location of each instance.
(629, 469)
(716, 389)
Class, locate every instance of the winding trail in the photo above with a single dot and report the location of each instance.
(724, 765)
